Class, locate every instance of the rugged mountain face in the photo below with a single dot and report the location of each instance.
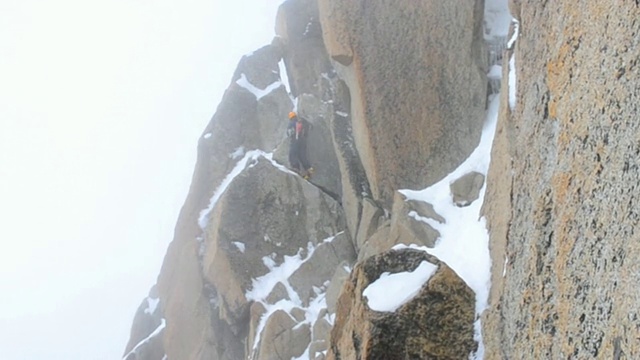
(416, 74)
(407, 243)
(563, 209)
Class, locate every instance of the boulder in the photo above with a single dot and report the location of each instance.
(320, 268)
(275, 214)
(282, 339)
(261, 66)
(466, 189)
(435, 324)
(317, 348)
(417, 107)
(278, 293)
(377, 243)
(322, 330)
(408, 224)
(298, 314)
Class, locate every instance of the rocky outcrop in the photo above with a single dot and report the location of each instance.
(466, 189)
(264, 213)
(322, 266)
(298, 26)
(145, 341)
(416, 105)
(282, 339)
(435, 324)
(567, 231)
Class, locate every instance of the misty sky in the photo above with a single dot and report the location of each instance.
(101, 106)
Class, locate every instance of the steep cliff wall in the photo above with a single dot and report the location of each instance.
(563, 205)
(416, 72)
(396, 94)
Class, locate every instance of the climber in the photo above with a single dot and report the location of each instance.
(297, 131)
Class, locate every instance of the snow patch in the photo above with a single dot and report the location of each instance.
(263, 285)
(284, 77)
(259, 93)
(512, 83)
(152, 305)
(464, 242)
(342, 113)
(504, 267)
(239, 245)
(495, 72)
(516, 33)
(239, 152)
(207, 135)
(391, 291)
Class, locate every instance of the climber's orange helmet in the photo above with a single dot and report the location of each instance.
(292, 115)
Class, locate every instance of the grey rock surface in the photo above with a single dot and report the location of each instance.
(286, 214)
(568, 225)
(340, 275)
(281, 339)
(416, 106)
(466, 189)
(320, 268)
(408, 224)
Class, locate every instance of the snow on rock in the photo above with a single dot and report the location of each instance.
(284, 78)
(516, 33)
(207, 135)
(495, 72)
(203, 219)
(464, 240)
(249, 160)
(239, 152)
(512, 82)
(259, 93)
(239, 245)
(391, 291)
(152, 306)
(155, 333)
(263, 285)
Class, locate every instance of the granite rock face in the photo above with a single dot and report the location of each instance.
(435, 324)
(568, 155)
(269, 213)
(416, 105)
